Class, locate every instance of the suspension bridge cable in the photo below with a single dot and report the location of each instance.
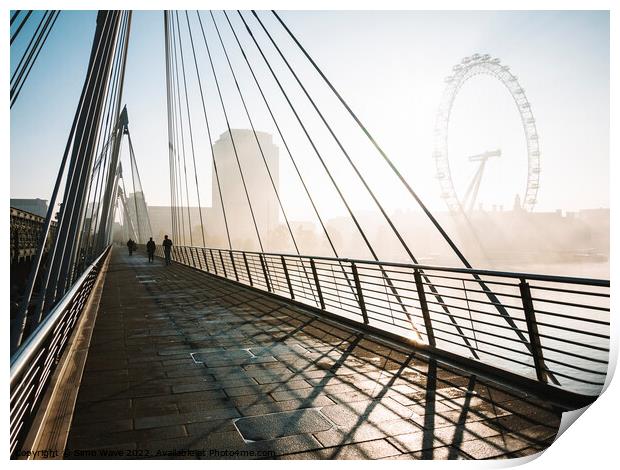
(232, 139)
(22, 315)
(14, 16)
(189, 216)
(288, 151)
(175, 138)
(135, 194)
(70, 233)
(35, 38)
(21, 25)
(434, 221)
(204, 109)
(46, 32)
(123, 191)
(110, 133)
(181, 136)
(93, 222)
(260, 147)
(311, 141)
(114, 197)
(350, 283)
(118, 112)
(176, 143)
(262, 153)
(118, 39)
(72, 189)
(339, 143)
(126, 216)
(108, 212)
(108, 137)
(78, 252)
(375, 144)
(135, 173)
(356, 170)
(177, 180)
(343, 199)
(189, 125)
(101, 154)
(169, 119)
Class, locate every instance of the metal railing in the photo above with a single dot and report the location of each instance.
(33, 364)
(551, 329)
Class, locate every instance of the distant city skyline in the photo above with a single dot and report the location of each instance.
(393, 77)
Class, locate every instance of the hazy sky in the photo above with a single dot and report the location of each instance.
(390, 66)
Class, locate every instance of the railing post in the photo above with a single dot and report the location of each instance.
(232, 260)
(316, 283)
(191, 252)
(360, 296)
(247, 268)
(532, 329)
(223, 265)
(288, 279)
(424, 307)
(204, 256)
(213, 261)
(262, 262)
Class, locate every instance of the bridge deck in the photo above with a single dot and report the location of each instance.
(181, 360)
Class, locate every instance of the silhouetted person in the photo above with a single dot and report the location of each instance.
(167, 244)
(150, 249)
(131, 246)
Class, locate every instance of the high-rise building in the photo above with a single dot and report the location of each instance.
(140, 220)
(259, 187)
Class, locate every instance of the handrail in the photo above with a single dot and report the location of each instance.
(33, 363)
(480, 272)
(551, 358)
(28, 349)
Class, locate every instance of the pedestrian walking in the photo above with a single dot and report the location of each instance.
(167, 244)
(150, 249)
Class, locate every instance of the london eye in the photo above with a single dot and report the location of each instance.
(468, 68)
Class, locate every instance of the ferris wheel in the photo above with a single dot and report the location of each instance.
(469, 67)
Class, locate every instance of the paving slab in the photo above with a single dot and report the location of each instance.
(286, 423)
(186, 365)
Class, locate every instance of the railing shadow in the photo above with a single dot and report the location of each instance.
(368, 371)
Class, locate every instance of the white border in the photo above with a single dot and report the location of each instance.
(591, 441)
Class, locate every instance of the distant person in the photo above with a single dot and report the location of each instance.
(131, 246)
(167, 244)
(150, 249)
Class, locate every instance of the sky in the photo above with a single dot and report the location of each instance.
(390, 67)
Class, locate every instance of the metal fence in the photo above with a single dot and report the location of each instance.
(33, 364)
(552, 329)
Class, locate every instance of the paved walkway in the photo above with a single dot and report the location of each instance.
(184, 365)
